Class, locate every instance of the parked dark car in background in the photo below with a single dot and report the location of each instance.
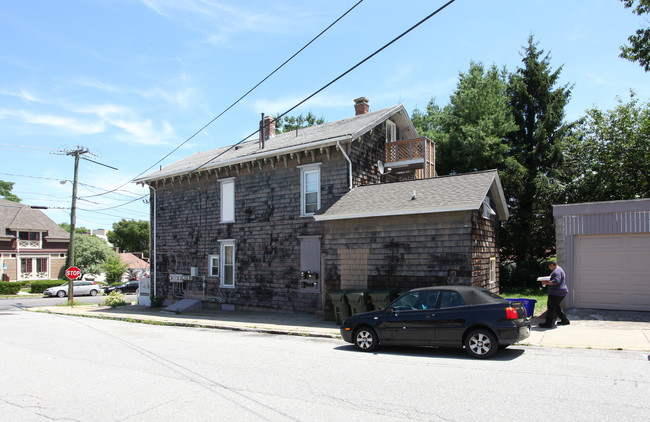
(128, 287)
(452, 316)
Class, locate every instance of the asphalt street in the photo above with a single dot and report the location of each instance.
(62, 367)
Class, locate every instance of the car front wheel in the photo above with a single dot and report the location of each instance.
(119, 291)
(365, 339)
(481, 343)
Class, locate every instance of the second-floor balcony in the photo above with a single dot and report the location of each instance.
(29, 244)
(415, 156)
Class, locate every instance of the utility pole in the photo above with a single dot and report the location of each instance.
(73, 216)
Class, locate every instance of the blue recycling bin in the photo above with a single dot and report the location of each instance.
(529, 304)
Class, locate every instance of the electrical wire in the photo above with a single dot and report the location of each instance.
(331, 82)
(240, 98)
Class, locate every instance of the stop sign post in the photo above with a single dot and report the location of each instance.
(72, 273)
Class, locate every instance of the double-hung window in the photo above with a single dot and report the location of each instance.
(227, 200)
(309, 189)
(227, 263)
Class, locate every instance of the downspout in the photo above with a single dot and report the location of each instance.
(153, 229)
(338, 144)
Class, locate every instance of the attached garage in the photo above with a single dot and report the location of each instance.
(605, 250)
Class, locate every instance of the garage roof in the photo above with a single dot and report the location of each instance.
(439, 194)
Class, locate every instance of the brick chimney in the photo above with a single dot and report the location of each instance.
(267, 129)
(361, 106)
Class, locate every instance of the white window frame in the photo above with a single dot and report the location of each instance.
(488, 212)
(227, 199)
(225, 245)
(391, 131)
(493, 270)
(304, 171)
(211, 266)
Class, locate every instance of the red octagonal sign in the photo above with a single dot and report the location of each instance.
(73, 273)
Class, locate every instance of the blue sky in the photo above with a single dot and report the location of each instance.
(132, 80)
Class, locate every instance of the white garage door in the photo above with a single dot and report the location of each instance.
(612, 272)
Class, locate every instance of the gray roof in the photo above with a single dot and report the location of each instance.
(439, 194)
(15, 217)
(310, 137)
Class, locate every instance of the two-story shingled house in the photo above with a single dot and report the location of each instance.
(32, 246)
(248, 225)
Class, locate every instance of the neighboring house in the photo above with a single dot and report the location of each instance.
(241, 226)
(32, 246)
(604, 248)
(136, 264)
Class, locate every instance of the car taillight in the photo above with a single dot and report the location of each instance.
(511, 313)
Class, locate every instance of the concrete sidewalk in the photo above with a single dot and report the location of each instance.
(594, 329)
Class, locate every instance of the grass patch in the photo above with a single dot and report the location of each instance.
(74, 303)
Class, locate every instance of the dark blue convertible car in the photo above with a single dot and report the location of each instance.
(452, 316)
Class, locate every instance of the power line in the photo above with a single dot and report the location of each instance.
(240, 98)
(332, 82)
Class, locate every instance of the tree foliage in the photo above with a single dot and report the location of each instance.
(114, 268)
(290, 123)
(638, 50)
(91, 253)
(130, 236)
(608, 154)
(470, 132)
(5, 191)
(77, 230)
(538, 109)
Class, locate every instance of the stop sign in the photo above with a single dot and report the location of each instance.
(73, 273)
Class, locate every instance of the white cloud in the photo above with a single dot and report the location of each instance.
(65, 123)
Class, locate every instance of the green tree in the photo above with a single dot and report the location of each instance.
(114, 268)
(639, 48)
(470, 133)
(608, 154)
(77, 230)
(130, 236)
(538, 110)
(91, 253)
(5, 191)
(290, 123)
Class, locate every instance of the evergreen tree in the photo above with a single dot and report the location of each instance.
(538, 109)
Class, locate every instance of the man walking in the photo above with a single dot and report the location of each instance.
(557, 291)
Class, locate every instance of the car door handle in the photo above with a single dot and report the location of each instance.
(431, 315)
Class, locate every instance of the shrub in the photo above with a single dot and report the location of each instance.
(115, 269)
(9, 288)
(39, 286)
(114, 300)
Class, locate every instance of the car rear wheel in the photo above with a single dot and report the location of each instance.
(119, 291)
(365, 339)
(60, 293)
(93, 292)
(481, 343)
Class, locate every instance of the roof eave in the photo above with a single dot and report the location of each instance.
(392, 213)
(288, 150)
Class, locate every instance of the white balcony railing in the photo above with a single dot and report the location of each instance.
(29, 244)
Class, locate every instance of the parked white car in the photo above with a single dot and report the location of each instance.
(80, 288)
